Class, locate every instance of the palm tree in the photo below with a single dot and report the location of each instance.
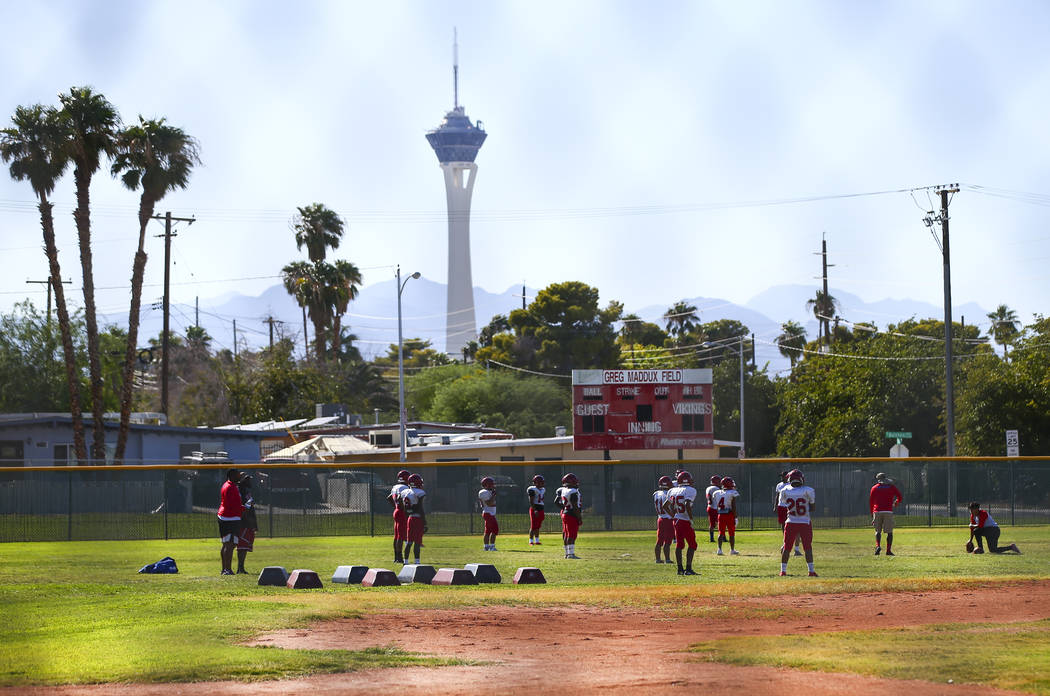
(680, 319)
(345, 281)
(299, 281)
(824, 308)
(791, 341)
(159, 158)
(91, 124)
(1004, 326)
(317, 228)
(33, 146)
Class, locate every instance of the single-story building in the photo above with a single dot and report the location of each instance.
(46, 439)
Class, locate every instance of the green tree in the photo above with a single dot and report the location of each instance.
(1004, 327)
(91, 124)
(323, 289)
(31, 374)
(34, 146)
(997, 396)
(824, 307)
(498, 325)
(342, 284)
(842, 403)
(791, 341)
(761, 410)
(158, 158)
(680, 319)
(640, 342)
(318, 228)
(526, 406)
(564, 329)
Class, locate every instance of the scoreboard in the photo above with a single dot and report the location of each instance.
(642, 409)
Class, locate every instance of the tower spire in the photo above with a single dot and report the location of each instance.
(455, 70)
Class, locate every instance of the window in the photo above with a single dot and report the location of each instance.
(548, 459)
(693, 423)
(458, 459)
(643, 413)
(592, 424)
(512, 459)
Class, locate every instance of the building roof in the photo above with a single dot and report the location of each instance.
(322, 447)
(17, 420)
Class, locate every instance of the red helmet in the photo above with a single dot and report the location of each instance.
(403, 475)
(716, 480)
(570, 480)
(684, 477)
(537, 480)
(664, 482)
(488, 482)
(415, 480)
(728, 483)
(795, 477)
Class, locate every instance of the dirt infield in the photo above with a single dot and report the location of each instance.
(589, 651)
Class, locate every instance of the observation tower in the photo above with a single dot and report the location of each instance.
(456, 143)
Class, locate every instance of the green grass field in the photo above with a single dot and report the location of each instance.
(78, 612)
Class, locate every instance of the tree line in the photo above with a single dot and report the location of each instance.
(844, 389)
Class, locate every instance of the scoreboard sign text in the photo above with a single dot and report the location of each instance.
(642, 409)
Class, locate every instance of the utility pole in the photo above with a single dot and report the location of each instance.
(164, 354)
(234, 339)
(949, 383)
(306, 339)
(271, 321)
(197, 311)
(48, 283)
(824, 263)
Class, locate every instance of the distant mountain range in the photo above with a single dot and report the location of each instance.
(373, 315)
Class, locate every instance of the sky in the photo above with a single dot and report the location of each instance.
(656, 151)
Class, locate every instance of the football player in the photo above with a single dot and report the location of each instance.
(712, 512)
(799, 499)
(536, 512)
(679, 504)
(487, 501)
(882, 499)
(400, 518)
(725, 502)
(571, 504)
(412, 503)
(664, 522)
(781, 511)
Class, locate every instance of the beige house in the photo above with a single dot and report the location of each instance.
(515, 450)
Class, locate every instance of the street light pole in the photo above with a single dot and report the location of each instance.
(740, 346)
(401, 362)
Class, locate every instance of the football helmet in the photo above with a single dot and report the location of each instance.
(415, 480)
(488, 482)
(538, 480)
(403, 475)
(716, 480)
(728, 483)
(795, 477)
(664, 482)
(685, 477)
(570, 480)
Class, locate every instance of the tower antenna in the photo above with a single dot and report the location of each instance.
(455, 70)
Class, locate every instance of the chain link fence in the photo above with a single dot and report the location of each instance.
(180, 502)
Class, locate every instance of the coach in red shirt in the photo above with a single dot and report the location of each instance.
(230, 510)
(883, 498)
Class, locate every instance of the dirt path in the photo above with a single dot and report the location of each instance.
(589, 651)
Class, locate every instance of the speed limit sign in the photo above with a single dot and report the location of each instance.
(1013, 444)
